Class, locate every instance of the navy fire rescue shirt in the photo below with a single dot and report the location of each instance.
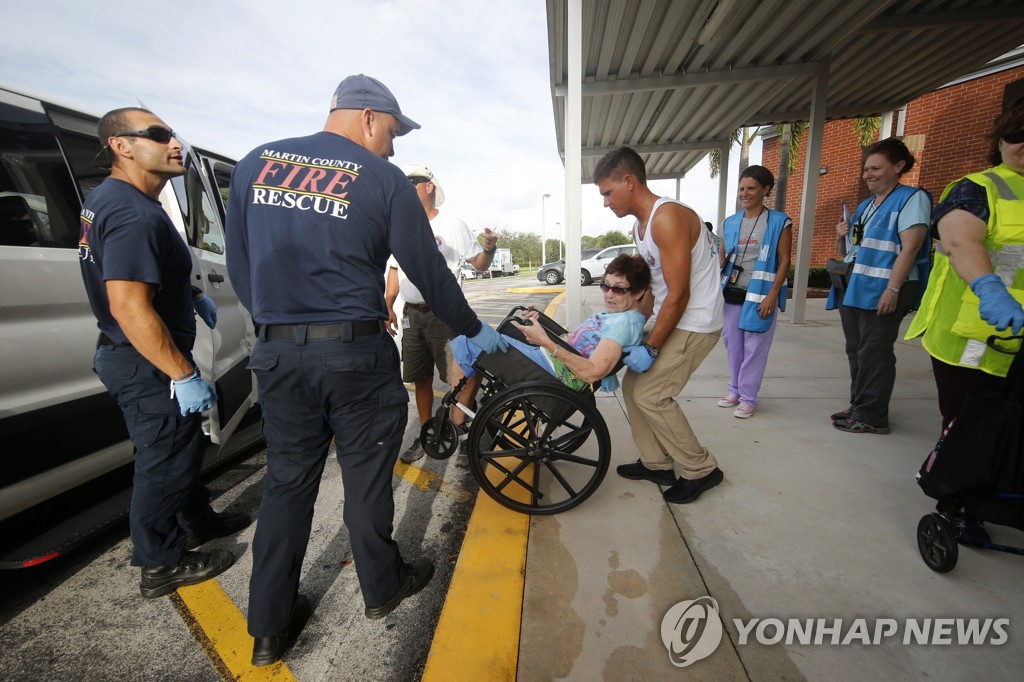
(311, 222)
(126, 235)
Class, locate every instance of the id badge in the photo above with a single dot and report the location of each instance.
(734, 275)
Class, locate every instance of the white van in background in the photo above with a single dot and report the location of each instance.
(64, 442)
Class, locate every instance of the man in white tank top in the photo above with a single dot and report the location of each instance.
(687, 305)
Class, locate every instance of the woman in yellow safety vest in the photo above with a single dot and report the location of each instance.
(977, 285)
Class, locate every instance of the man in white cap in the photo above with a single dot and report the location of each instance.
(425, 337)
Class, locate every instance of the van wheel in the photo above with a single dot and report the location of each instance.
(584, 278)
(552, 277)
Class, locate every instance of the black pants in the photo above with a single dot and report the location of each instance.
(954, 383)
(870, 339)
(169, 501)
(311, 390)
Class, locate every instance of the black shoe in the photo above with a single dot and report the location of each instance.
(851, 426)
(841, 416)
(685, 491)
(194, 567)
(638, 472)
(220, 526)
(414, 453)
(267, 650)
(420, 573)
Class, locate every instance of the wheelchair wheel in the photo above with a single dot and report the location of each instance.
(439, 443)
(539, 447)
(936, 540)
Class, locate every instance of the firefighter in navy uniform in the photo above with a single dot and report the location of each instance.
(311, 223)
(137, 270)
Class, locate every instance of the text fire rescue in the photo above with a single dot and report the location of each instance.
(308, 184)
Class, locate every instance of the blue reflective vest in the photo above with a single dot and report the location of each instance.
(878, 250)
(763, 276)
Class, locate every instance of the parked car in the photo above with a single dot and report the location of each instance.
(467, 271)
(65, 444)
(554, 272)
(592, 268)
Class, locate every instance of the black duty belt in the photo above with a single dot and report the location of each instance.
(338, 330)
(422, 307)
(105, 340)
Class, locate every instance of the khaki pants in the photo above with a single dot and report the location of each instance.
(660, 428)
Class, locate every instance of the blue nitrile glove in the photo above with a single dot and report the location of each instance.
(488, 340)
(207, 310)
(637, 358)
(194, 394)
(610, 383)
(997, 307)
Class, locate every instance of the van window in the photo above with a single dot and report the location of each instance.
(38, 202)
(220, 171)
(202, 221)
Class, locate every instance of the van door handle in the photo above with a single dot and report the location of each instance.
(214, 277)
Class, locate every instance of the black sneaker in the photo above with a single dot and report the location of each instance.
(219, 526)
(419, 574)
(414, 453)
(851, 426)
(843, 415)
(193, 568)
(267, 650)
(685, 490)
(638, 472)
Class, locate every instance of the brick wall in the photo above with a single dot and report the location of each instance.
(944, 129)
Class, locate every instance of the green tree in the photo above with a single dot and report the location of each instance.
(612, 238)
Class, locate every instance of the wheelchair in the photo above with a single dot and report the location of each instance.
(536, 445)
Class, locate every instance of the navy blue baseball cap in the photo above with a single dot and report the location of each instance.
(363, 92)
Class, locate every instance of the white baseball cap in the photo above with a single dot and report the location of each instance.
(420, 170)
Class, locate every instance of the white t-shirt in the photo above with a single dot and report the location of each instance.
(455, 242)
(704, 310)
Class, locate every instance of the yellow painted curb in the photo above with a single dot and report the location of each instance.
(428, 480)
(477, 636)
(221, 630)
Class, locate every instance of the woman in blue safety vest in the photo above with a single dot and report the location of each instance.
(756, 255)
(886, 241)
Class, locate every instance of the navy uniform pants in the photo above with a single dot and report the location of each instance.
(310, 390)
(169, 502)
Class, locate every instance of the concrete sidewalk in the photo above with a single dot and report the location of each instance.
(810, 522)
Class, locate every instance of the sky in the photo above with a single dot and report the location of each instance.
(231, 75)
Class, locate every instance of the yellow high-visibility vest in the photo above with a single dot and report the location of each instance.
(954, 332)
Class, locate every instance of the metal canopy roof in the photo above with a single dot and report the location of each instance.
(674, 78)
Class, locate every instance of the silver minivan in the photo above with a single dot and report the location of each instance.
(65, 457)
(592, 269)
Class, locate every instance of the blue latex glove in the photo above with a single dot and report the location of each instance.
(488, 340)
(997, 307)
(207, 310)
(637, 358)
(194, 394)
(610, 383)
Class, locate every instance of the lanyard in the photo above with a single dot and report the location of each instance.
(750, 236)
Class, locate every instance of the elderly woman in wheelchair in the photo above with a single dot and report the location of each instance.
(538, 444)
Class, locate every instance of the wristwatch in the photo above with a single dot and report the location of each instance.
(894, 290)
(652, 350)
(490, 251)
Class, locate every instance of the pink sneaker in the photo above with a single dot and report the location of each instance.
(745, 411)
(730, 400)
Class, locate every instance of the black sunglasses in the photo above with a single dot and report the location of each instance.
(155, 133)
(1016, 137)
(621, 291)
(418, 181)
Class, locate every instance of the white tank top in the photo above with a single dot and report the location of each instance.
(704, 310)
